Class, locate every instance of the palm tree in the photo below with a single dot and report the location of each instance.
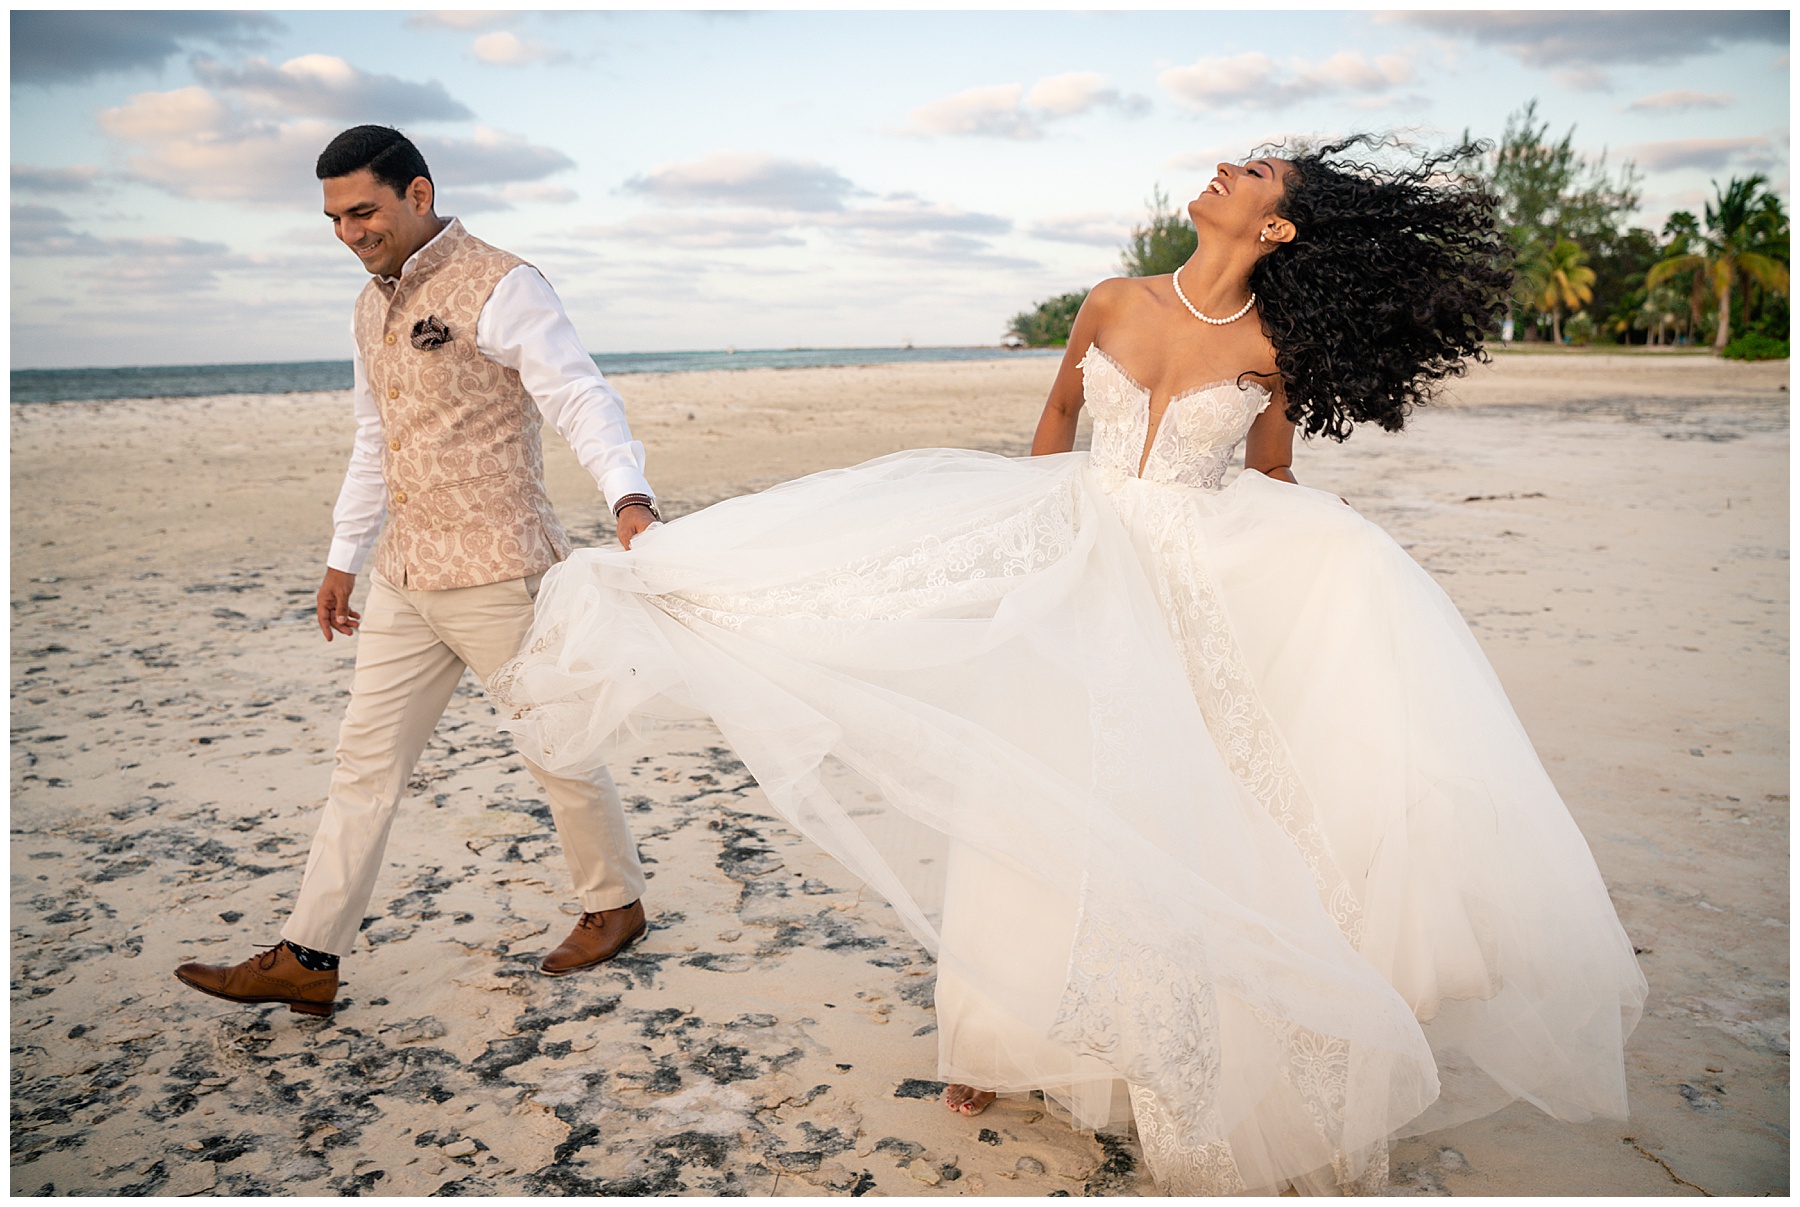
(1744, 235)
(1771, 225)
(1654, 311)
(1560, 277)
(1662, 307)
(1682, 230)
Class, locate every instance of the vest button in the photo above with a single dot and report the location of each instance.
(399, 496)
(394, 444)
(393, 391)
(390, 337)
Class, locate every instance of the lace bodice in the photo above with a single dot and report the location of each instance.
(1200, 430)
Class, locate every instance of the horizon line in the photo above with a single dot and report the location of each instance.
(344, 360)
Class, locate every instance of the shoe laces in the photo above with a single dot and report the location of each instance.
(272, 952)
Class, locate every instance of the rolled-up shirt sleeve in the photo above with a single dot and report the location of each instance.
(524, 327)
(362, 501)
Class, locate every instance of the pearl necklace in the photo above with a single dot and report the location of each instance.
(1194, 310)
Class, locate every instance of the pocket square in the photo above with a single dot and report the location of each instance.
(429, 333)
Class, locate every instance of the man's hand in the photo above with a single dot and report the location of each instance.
(633, 519)
(334, 604)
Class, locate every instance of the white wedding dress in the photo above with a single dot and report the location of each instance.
(1206, 800)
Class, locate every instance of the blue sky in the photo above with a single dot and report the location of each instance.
(773, 179)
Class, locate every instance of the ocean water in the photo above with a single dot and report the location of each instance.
(188, 381)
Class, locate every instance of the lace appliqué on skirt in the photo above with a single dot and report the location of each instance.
(1317, 1066)
(966, 567)
(958, 568)
(1180, 1169)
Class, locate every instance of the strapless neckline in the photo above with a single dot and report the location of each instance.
(1192, 437)
(1135, 384)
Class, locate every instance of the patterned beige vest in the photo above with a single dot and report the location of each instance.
(463, 465)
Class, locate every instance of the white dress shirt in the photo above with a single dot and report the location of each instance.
(522, 327)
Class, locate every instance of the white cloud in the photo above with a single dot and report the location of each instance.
(503, 48)
(1008, 111)
(153, 264)
(322, 85)
(463, 202)
(1682, 99)
(891, 220)
(190, 143)
(489, 157)
(460, 18)
(963, 251)
(1579, 39)
(1094, 229)
(541, 193)
(157, 267)
(739, 178)
(1707, 153)
(990, 112)
(709, 231)
(1218, 81)
(742, 200)
(1586, 78)
(1071, 93)
(904, 212)
(218, 143)
(1253, 80)
(155, 116)
(487, 201)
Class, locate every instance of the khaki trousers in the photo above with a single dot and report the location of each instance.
(412, 647)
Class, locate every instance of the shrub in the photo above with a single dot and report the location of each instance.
(1756, 347)
(1163, 243)
(1047, 324)
(1580, 328)
(1772, 320)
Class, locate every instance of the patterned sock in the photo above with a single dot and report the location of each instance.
(313, 961)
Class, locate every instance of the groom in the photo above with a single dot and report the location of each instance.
(460, 350)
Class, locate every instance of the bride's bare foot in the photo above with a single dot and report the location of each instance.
(966, 1100)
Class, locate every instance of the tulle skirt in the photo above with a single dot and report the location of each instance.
(1208, 804)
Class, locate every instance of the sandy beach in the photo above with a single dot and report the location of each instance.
(1613, 527)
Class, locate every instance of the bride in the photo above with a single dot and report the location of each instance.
(1205, 799)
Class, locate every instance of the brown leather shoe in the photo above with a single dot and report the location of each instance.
(268, 976)
(597, 938)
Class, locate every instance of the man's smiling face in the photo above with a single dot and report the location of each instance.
(381, 226)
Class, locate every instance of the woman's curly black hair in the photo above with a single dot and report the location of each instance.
(1390, 281)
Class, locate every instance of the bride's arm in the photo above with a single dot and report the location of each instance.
(1062, 410)
(1269, 448)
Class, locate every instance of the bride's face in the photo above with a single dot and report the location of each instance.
(1240, 201)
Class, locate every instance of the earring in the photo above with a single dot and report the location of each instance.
(1262, 236)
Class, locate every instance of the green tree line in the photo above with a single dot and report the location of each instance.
(1585, 273)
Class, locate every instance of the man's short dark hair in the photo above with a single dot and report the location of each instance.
(386, 152)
